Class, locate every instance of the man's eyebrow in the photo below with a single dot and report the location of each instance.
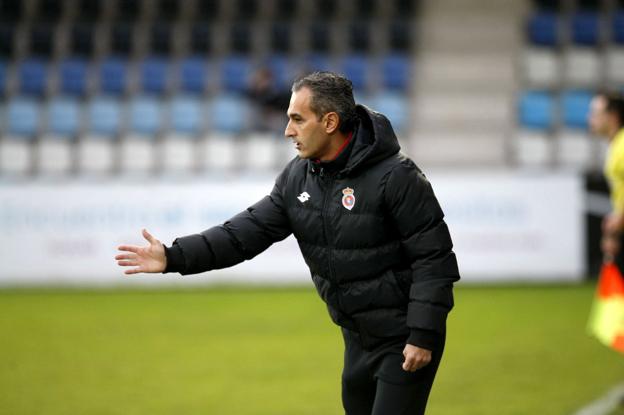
(294, 115)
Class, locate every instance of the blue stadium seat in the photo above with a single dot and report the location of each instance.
(32, 76)
(145, 115)
(154, 74)
(393, 105)
(586, 28)
(283, 70)
(229, 113)
(235, 73)
(186, 115)
(358, 69)
(22, 115)
(192, 75)
(617, 27)
(395, 71)
(575, 107)
(73, 74)
(104, 116)
(543, 29)
(536, 110)
(63, 116)
(113, 76)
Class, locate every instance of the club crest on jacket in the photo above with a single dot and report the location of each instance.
(348, 198)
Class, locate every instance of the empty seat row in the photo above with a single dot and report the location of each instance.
(565, 148)
(157, 75)
(572, 67)
(584, 28)
(162, 37)
(133, 10)
(544, 110)
(65, 117)
(558, 5)
(104, 116)
(92, 155)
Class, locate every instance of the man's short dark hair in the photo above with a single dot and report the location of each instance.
(331, 92)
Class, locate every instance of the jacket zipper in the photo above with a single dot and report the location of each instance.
(330, 242)
(329, 183)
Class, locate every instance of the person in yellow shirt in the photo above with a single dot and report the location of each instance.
(606, 118)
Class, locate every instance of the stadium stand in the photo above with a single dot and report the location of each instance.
(73, 76)
(572, 49)
(138, 86)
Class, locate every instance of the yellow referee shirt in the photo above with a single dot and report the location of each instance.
(614, 171)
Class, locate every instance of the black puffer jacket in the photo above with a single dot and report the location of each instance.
(372, 234)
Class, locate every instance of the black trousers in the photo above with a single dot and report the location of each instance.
(374, 383)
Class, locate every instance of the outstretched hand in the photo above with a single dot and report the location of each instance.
(150, 258)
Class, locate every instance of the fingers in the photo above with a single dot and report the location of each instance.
(125, 256)
(413, 362)
(132, 271)
(131, 263)
(149, 237)
(129, 248)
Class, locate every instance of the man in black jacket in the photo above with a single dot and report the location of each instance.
(371, 231)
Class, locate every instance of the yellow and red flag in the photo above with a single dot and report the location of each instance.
(607, 317)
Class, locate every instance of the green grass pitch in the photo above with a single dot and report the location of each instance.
(262, 351)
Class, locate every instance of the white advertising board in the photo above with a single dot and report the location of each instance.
(504, 225)
(515, 226)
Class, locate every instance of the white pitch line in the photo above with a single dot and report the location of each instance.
(604, 404)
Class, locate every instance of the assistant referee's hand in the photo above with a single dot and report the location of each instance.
(150, 258)
(415, 358)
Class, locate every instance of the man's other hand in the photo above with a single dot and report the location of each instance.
(150, 258)
(415, 358)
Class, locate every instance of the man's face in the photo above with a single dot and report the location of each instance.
(598, 116)
(307, 132)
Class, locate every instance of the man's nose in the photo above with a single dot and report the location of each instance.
(288, 132)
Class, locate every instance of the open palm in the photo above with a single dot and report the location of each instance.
(150, 258)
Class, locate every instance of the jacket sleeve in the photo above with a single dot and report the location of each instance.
(427, 244)
(242, 237)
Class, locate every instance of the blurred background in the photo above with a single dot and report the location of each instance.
(122, 114)
(105, 105)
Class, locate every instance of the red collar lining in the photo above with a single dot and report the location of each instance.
(340, 150)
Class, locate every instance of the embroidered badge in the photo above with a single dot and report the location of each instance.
(303, 197)
(348, 198)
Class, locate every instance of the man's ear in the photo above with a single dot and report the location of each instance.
(332, 121)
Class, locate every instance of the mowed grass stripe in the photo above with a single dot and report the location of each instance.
(510, 350)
